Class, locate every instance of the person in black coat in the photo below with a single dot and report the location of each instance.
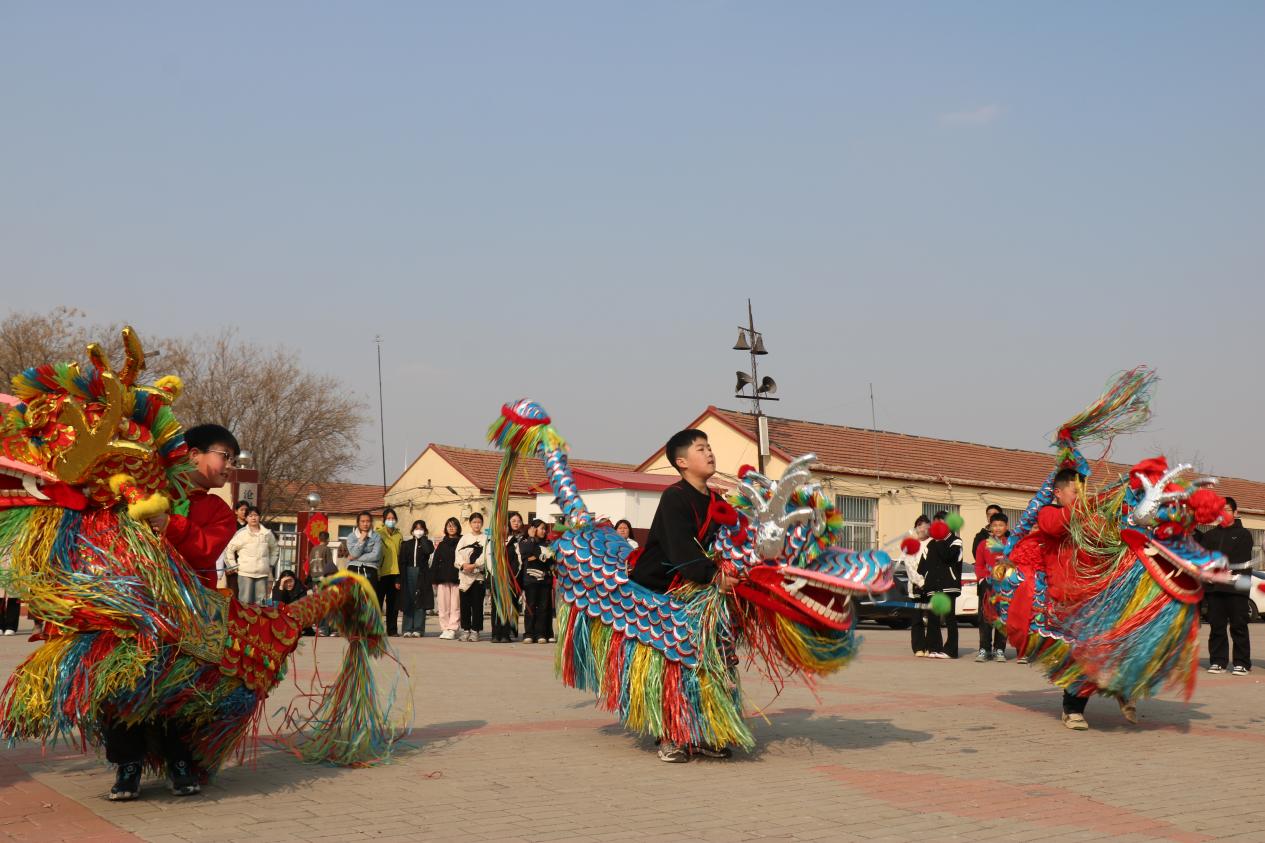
(1225, 605)
(503, 632)
(942, 573)
(415, 553)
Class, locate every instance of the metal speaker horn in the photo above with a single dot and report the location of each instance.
(768, 386)
(758, 348)
(742, 344)
(743, 380)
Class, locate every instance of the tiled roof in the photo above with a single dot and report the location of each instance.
(590, 479)
(857, 451)
(336, 498)
(481, 467)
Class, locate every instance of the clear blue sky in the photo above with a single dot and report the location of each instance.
(985, 209)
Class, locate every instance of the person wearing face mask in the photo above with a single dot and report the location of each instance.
(389, 586)
(415, 556)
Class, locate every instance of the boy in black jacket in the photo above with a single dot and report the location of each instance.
(676, 548)
(1225, 605)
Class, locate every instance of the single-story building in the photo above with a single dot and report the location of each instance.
(450, 482)
(882, 481)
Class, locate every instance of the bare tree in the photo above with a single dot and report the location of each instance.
(301, 427)
(31, 339)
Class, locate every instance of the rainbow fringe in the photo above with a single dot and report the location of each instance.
(517, 436)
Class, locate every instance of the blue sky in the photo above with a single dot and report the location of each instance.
(984, 209)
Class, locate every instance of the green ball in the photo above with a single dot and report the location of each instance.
(940, 604)
(954, 521)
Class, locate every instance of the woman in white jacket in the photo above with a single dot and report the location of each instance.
(912, 562)
(254, 554)
(472, 560)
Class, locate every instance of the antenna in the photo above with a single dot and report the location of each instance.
(874, 427)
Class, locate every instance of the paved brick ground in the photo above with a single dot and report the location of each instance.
(895, 748)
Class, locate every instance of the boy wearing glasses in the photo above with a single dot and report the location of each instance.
(200, 534)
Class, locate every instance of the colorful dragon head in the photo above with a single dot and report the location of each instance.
(67, 432)
(1158, 516)
(783, 547)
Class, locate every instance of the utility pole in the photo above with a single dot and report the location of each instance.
(752, 341)
(382, 429)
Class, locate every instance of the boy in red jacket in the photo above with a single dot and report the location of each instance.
(200, 535)
(992, 642)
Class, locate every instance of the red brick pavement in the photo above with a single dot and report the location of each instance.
(894, 748)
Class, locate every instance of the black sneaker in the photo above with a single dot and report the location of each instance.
(672, 753)
(711, 751)
(127, 783)
(183, 782)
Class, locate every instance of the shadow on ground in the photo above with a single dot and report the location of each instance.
(795, 730)
(1103, 713)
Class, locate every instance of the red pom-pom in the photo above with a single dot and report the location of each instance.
(744, 470)
(939, 530)
(722, 513)
(1152, 469)
(910, 545)
(1207, 505)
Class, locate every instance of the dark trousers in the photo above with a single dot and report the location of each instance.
(130, 744)
(1074, 705)
(11, 613)
(1225, 608)
(990, 638)
(389, 601)
(949, 644)
(919, 628)
(472, 607)
(539, 621)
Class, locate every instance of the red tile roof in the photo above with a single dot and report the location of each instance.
(587, 479)
(858, 451)
(481, 467)
(336, 498)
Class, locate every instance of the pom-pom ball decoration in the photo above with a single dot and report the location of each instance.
(939, 530)
(955, 522)
(744, 470)
(940, 604)
(1207, 505)
(910, 545)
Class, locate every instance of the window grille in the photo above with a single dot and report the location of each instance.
(930, 509)
(860, 521)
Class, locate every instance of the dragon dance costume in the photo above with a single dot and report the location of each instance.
(130, 634)
(666, 662)
(1104, 597)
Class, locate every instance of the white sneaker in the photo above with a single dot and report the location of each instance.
(473, 636)
(8, 632)
(529, 640)
(447, 635)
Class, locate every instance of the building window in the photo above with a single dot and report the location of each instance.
(930, 509)
(860, 521)
(344, 531)
(1258, 553)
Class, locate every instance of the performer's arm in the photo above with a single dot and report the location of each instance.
(1054, 521)
(203, 534)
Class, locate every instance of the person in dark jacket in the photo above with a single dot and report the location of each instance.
(942, 573)
(1225, 605)
(288, 589)
(415, 554)
(536, 584)
(503, 632)
(444, 574)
